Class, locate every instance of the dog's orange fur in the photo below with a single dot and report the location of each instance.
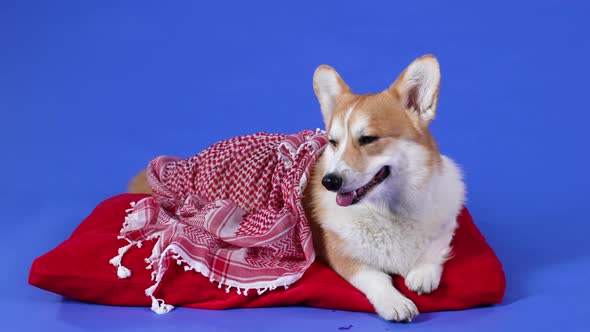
(139, 185)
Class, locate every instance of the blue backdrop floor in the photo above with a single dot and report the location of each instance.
(91, 91)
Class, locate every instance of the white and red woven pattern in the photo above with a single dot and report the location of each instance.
(232, 212)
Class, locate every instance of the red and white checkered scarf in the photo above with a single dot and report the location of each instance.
(232, 212)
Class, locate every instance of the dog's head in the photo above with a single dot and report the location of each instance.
(378, 141)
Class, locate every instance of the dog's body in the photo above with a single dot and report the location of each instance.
(381, 200)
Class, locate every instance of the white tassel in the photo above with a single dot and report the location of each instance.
(245, 292)
(124, 249)
(262, 290)
(116, 261)
(227, 289)
(150, 290)
(131, 208)
(123, 272)
(153, 236)
(160, 307)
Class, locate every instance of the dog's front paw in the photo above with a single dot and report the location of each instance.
(395, 307)
(424, 278)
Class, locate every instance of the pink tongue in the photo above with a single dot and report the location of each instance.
(344, 199)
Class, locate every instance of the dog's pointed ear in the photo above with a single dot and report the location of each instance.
(417, 88)
(328, 87)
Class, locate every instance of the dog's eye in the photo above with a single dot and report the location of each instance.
(364, 140)
(333, 142)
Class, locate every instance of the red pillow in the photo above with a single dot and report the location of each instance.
(79, 268)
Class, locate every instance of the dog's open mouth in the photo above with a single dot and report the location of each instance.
(353, 197)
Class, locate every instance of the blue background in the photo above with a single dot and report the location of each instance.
(91, 91)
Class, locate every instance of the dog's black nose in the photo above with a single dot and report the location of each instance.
(332, 182)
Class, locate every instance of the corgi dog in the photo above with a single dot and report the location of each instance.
(381, 199)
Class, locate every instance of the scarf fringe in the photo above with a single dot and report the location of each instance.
(122, 271)
(159, 306)
(240, 289)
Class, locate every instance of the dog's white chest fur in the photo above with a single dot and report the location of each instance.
(395, 241)
(380, 239)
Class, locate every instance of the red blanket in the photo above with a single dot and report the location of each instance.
(78, 268)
